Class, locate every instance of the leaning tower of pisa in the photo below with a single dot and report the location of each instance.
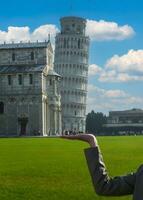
(71, 62)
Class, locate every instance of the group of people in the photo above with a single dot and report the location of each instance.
(70, 132)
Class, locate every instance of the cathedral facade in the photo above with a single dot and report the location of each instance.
(29, 95)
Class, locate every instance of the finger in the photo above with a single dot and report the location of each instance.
(69, 137)
(74, 137)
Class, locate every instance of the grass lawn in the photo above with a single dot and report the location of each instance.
(55, 169)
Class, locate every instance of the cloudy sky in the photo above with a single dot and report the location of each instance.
(115, 28)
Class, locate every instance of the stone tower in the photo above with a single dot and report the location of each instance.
(71, 62)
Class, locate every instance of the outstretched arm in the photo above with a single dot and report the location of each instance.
(103, 184)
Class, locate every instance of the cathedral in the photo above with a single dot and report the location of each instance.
(30, 102)
(39, 96)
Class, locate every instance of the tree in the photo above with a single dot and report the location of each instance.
(95, 121)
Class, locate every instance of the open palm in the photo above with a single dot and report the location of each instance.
(89, 138)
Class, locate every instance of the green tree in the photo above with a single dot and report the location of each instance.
(95, 121)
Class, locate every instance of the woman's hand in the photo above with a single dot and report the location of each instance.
(89, 138)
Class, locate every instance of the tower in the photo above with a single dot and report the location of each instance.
(71, 62)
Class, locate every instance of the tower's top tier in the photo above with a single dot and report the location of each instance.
(73, 25)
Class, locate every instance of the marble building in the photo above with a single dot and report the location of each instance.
(71, 62)
(30, 102)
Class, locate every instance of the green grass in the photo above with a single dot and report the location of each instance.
(55, 169)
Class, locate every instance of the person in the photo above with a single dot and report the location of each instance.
(103, 184)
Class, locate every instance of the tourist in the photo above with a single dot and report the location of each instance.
(103, 184)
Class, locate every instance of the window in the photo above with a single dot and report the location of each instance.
(32, 55)
(13, 56)
(64, 43)
(78, 29)
(79, 43)
(30, 79)
(67, 28)
(67, 43)
(20, 79)
(9, 80)
(1, 108)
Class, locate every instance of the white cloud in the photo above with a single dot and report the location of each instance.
(132, 61)
(114, 76)
(24, 34)
(115, 94)
(97, 30)
(92, 89)
(104, 30)
(42, 32)
(102, 100)
(124, 68)
(94, 70)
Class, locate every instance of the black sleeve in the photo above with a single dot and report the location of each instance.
(103, 184)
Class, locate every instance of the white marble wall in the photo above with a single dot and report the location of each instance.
(39, 102)
(71, 62)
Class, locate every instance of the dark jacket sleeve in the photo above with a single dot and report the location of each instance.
(103, 184)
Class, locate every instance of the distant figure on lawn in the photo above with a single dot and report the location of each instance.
(103, 184)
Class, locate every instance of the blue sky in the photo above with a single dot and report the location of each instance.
(115, 82)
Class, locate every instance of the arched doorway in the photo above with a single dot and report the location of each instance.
(23, 125)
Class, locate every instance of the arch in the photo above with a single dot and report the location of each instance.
(13, 56)
(9, 79)
(79, 43)
(67, 43)
(30, 79)
(64, 42)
